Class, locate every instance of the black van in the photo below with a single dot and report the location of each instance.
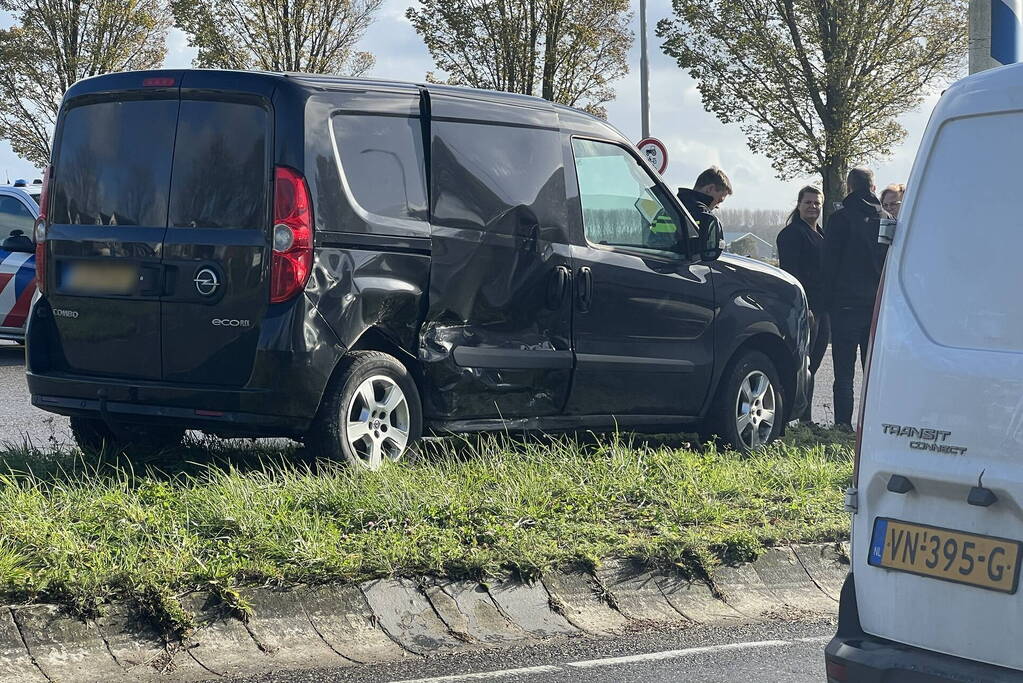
(350, 262)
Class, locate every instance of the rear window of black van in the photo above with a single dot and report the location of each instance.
(125, 163)
(221, 166)
(114, 162)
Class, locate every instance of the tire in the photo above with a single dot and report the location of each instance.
(93, 436)
(750, 405)
(361, 421)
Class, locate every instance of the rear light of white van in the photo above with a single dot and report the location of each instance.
(292, 237)
(40, 233)
(866, 380)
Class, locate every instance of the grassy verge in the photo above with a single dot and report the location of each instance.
(85, 531)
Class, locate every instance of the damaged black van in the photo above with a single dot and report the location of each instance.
(350, 263)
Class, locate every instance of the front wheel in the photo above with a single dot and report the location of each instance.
(750, 406)
(370, 413)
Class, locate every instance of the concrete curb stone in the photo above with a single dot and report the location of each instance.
(744, 590)
(584, 607)
(16, 665)
(826, 565)
(282, 630)
(343, 619)
(529, 607)
(388, 619)
(66, 649)
(408, 617)
(473, 612)
(636, 592)
(221, 643)
(695, 601)
(140, 651)
(785, 576)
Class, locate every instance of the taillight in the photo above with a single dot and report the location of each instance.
(40, 233)
(292, 237)
(866, 379)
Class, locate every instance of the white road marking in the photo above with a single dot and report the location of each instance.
(675, 654)
(615, 661)
(487, 675)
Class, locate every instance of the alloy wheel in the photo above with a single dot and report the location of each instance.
(377, 421)
(755, 410)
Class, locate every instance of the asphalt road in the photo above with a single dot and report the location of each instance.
(20, 421)
(789, 652)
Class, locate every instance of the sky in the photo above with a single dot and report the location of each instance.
(694, 138)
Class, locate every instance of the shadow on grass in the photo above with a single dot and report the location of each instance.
(200, 454)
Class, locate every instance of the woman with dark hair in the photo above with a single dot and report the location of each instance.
(801, 252)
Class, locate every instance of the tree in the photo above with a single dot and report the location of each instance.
(561, 50)
(310, 36)
(54, 43)
(816, 85)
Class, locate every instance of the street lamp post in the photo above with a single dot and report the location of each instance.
(644, 72)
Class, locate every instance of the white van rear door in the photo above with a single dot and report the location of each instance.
(944, 407)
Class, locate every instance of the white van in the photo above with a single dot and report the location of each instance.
(937, 497)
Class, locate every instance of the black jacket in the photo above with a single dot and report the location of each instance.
(853, 260)
(801, 253)
(697, 204)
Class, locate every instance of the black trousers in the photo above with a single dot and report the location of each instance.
(820, 336)
(850, 330)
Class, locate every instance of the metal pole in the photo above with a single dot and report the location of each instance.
(644, 72)
(996, 33)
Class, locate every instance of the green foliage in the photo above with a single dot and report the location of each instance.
(309, 36)
(563, 51)
(218, 517)
(817, 84)
(54, 43)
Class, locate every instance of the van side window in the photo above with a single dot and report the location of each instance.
(383, 162)
(15, 216)
(622, 205)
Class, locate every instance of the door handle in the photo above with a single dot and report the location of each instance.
(557, 286)
(584, 288)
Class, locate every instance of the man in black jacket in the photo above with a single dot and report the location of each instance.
(711, 188)
(853, 261)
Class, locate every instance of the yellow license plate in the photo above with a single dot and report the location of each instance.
(982, 561)
(99, 278)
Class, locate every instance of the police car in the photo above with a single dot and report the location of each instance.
(18, 212)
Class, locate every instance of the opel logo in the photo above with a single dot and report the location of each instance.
(206, 282)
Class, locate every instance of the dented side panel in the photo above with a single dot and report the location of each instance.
(497, 336)
(357, 289)
(371, 269)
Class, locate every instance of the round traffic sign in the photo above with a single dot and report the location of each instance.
(655, 152)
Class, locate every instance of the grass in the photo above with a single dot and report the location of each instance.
(85, 531)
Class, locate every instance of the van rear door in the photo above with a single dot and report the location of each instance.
(159, 225)
(107, 219)
(216, 246)
(938, 539)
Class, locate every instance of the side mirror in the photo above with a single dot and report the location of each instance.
(886, 233)
(19, 242)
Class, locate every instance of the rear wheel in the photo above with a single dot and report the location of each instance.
(370, 413)
(750, 404)
(93, 436)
